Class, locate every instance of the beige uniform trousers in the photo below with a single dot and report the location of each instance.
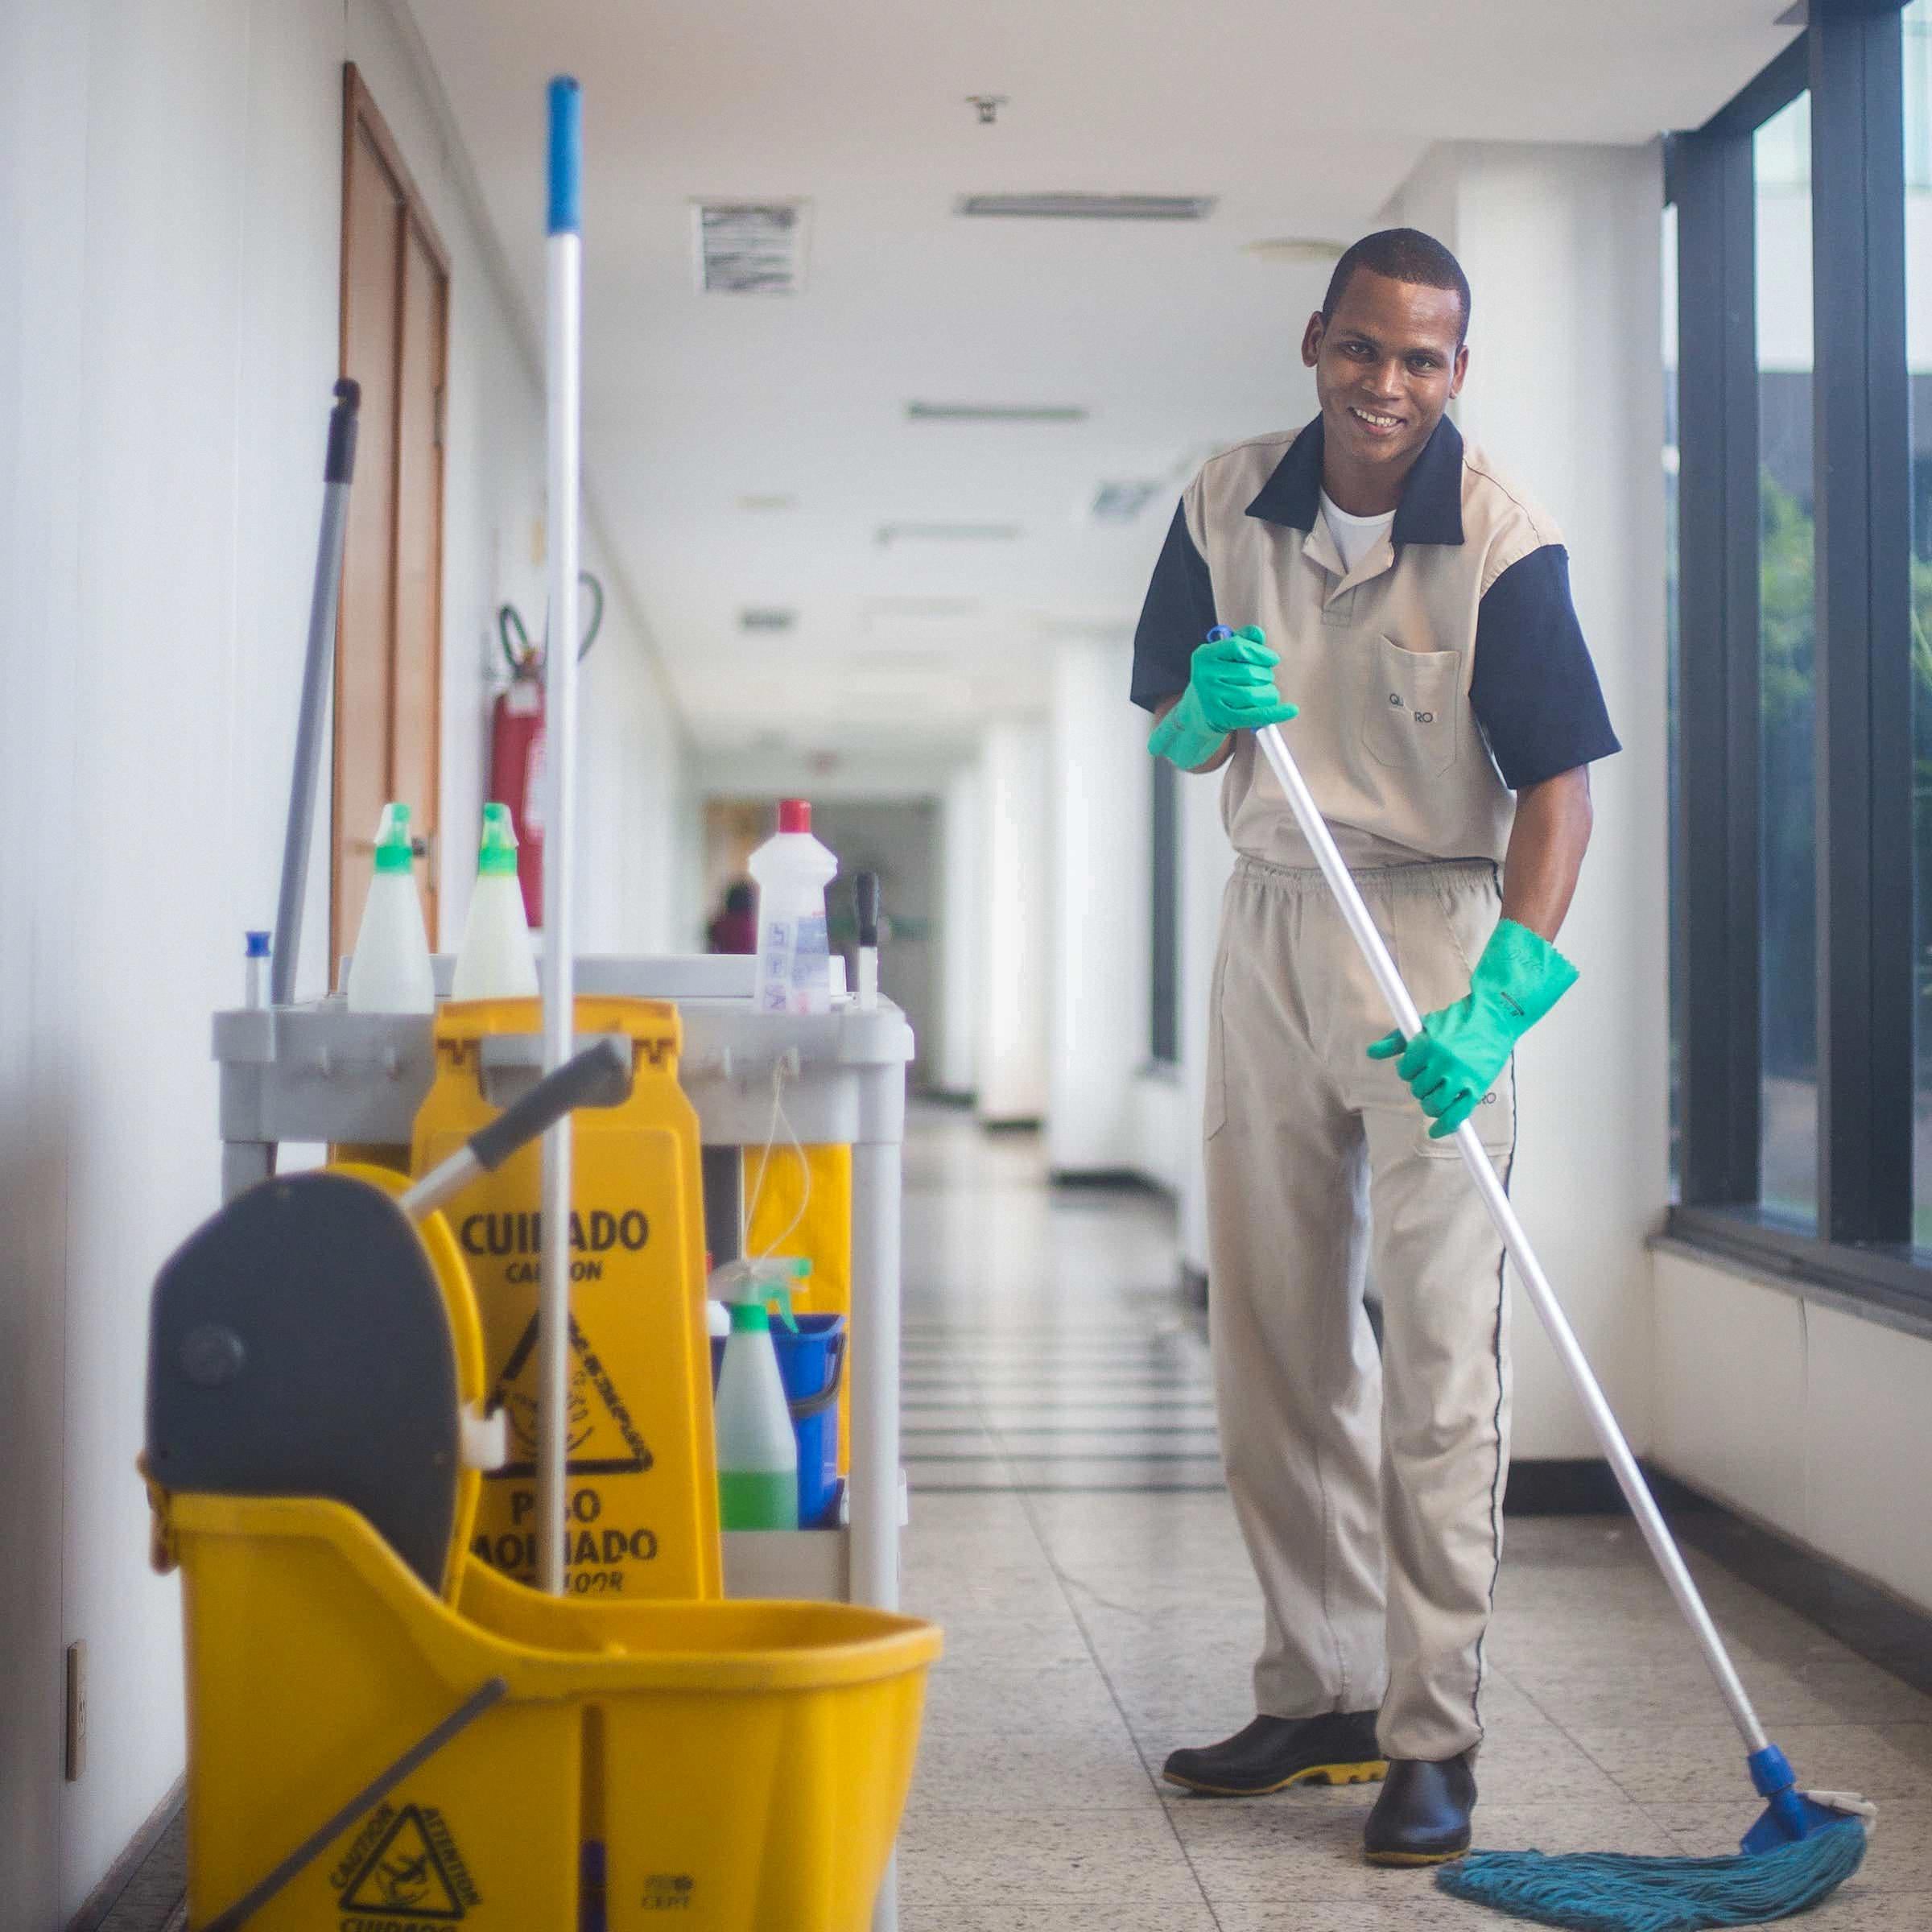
(1369, 1488)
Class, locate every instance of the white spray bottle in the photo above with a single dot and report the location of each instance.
(496, 961)
(390, 971)
(757, 1450)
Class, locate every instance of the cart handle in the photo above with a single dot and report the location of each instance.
(599, 1076)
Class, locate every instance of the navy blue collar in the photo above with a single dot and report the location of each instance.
(1431, 508)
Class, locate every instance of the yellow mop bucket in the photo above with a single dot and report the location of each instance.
(742, 1764)
(383, 1734)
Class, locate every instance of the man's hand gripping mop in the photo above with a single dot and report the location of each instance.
(1806, 1843)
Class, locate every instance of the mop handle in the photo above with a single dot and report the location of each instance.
(563, 311)
(338, 473)
(1629, 1478)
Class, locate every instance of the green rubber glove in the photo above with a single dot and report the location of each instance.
(1230, 687)
(1454, 1061)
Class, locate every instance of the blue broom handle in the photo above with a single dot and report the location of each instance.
(1629, 1478)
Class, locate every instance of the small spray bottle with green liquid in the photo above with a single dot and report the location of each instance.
(758, 1450)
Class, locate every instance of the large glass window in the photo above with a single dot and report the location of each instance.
(1786, 582)
(1672, 626)
(1918, 352)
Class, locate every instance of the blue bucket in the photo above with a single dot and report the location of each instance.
(811, 1364)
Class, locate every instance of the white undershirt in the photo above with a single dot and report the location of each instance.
(1354, 536)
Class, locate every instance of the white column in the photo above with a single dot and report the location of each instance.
(961, 930)
(1102, 840)
(1562, 249)
(1015, 922)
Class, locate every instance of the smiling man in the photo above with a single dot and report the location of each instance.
(1416, 608)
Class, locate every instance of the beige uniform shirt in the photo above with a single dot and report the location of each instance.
(1442, 673)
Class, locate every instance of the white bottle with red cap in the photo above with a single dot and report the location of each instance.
(792, 871)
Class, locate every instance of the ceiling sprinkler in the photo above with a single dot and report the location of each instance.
(988, 106)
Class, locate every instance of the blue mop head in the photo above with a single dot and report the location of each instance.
(1603, 1892)
(1797, 1853)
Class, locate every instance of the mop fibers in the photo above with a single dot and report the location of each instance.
(1606, 1892)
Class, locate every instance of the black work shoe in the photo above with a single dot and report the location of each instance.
(1338, 1748)
(1421, 1814)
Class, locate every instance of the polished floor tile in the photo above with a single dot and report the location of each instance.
(1070, 1532)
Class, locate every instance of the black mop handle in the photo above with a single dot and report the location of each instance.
(599, 1076)
(338, 472)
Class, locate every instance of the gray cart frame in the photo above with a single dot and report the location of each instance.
(316, 1072)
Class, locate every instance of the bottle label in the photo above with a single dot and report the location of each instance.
(810, 956)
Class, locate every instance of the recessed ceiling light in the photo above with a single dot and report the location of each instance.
(750, 248)
(767, 619)
(948, 533)
(995, 412)
(1090, 208)
(770, 502)
(1296, 248)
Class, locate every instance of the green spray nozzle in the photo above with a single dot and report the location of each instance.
(497, 853)
(394, 851)
(759, 1284)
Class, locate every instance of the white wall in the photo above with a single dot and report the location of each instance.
(168, 319)
(961, 920)
(1017, 934)
(1807, 1415)
(1565, 391)
(1099, 772)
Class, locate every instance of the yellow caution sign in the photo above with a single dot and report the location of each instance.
(643, 1505)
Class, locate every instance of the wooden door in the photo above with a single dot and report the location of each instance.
(395, 307)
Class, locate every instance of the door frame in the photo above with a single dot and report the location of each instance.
(361, 117)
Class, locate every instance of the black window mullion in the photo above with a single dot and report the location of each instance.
(1717, 928)
(1862, 649)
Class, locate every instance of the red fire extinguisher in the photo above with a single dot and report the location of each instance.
(516, 741)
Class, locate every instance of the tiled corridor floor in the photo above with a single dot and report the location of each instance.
(1069, 1532)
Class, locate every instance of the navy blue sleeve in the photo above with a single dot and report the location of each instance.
(1179, 612)
(1534, 689)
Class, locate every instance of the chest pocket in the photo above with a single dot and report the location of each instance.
(1409, 705)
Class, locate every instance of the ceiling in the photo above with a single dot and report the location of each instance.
(1301, 116)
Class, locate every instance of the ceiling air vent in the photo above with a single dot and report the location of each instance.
(1091, 208)
(750, 248)
(767, 620)
(948, 533)
(1122, 503)
(995, 412)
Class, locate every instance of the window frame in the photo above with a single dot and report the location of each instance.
(1850, 59)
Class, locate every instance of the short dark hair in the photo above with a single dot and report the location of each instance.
(1403, 255)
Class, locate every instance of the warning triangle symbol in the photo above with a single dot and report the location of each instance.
(604, 1440)
(405, 1877)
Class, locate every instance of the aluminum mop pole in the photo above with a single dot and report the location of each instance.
(1629, 1478)
(1803, 1847)
(338, 473)
(564, 377)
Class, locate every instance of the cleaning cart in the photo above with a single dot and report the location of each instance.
(384, 1730)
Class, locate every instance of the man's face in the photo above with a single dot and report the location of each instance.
(1385, 364)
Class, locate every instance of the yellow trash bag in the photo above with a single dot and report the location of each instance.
(798, 1201)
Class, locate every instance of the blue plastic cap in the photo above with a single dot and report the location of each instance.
(1219, 632)
(565, 156)
(258, 946)
(1771, 1771)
